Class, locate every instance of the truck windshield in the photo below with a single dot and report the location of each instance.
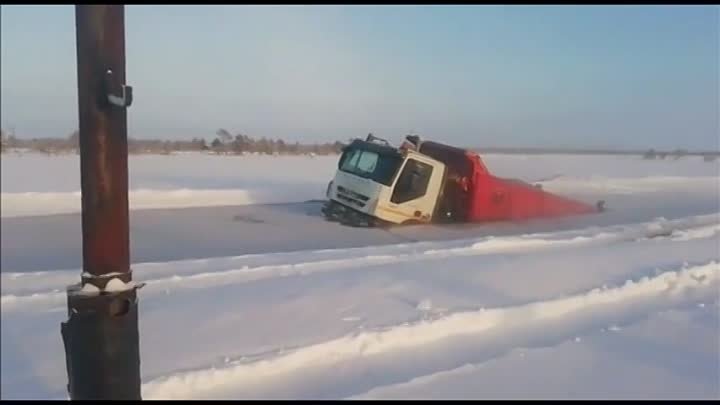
(370, 165)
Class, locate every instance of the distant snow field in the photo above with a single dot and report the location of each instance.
(34, 184)
(625, 305)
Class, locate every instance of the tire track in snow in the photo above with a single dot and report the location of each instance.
(682, 230)
(695, 367)
(357, 363)
(33, 282)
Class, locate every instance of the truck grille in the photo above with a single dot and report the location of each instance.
(351, 197)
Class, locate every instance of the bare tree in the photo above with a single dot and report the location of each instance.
(216, 145)
(224, 136)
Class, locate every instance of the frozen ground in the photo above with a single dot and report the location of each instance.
(269, 301)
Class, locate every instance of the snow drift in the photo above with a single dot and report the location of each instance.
(661, 288)
(48, 203)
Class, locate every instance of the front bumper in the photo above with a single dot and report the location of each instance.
(335, 211)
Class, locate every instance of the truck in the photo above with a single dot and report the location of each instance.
(421, 182)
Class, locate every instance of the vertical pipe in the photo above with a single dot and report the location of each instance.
(101, 336)
(103, 140)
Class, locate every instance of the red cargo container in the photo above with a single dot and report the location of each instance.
(490, 198)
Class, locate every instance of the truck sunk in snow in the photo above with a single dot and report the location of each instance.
(377, 184)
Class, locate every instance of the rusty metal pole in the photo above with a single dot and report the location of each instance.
(101, 336)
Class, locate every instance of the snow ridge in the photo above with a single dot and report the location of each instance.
(337, 260)
(658, 291)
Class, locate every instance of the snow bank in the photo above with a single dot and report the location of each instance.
(709, 231)
(670, 355)
(39, 173)
(195, 384)
(17, 289)
(42, 185)
(48, 203)
(195, 180)
(43, 203)
(629, 185)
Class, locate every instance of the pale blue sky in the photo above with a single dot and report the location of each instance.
(560, 76)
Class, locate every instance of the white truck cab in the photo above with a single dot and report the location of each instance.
(379, 182)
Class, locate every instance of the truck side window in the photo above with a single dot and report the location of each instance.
(413, 182)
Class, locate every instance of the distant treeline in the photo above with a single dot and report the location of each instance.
(225, 143)
(222, 143)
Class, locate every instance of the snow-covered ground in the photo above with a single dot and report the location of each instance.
(625, 304)
(34, 184)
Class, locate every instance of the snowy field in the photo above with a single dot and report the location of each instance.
(270, 301)
(34, 184)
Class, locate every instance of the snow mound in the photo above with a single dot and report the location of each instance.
(48, 203)
(196, 383)
(628, 185)
(33, 287)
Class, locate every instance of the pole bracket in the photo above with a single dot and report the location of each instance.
(118, 95)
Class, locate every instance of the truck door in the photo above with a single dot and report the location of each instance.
(416, 191)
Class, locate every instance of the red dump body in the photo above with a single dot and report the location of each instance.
(489, 198)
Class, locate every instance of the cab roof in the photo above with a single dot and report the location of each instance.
(374, 147)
